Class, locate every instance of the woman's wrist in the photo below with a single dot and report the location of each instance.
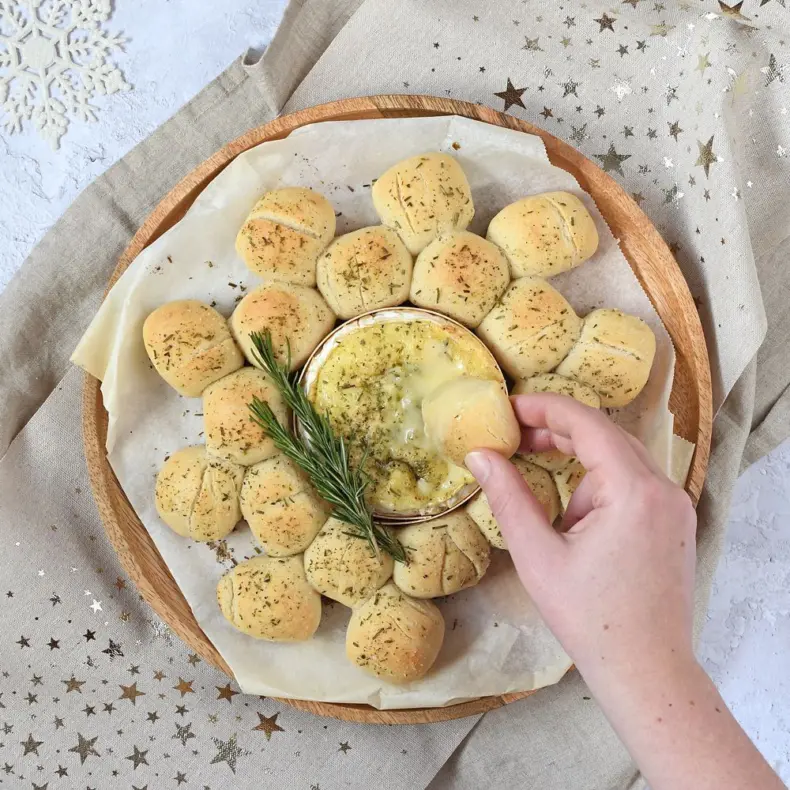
(646, 681)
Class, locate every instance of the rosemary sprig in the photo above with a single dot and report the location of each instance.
(321, 453)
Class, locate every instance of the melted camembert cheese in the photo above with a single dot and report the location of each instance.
(371, 387)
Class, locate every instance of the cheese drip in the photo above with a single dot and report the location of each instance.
(372, 386)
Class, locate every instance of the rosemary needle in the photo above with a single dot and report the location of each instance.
(321, 454)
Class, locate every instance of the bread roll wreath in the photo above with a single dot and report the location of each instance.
(303, 498)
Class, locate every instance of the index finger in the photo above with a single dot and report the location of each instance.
(594, 439)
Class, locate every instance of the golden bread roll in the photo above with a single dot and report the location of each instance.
(269, 598)
(446, 554)
(297, 317)
(190, 345)
(531, 329)
(227, 422)
(364, 270)
(567, 481)
(282, 508)
(344, 567)
(552, 382)
(422, 197)
(197, 496)
(613, 356)
(466, 414)
(461, 275)
(285, 233)
(544, 234)
(541, 485)
(395, 637)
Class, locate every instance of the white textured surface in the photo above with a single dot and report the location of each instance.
(174, 49)
(746, 642)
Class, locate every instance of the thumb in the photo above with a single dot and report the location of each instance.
(522, 519)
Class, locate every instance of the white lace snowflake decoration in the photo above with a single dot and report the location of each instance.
(54, 58)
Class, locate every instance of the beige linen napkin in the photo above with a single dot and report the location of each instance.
(686, 104)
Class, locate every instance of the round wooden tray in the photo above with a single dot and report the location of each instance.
(646, 251)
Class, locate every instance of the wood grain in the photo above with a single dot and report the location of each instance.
(642, 245)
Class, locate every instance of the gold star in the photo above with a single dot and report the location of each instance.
(120, 584)
(184, 686)
(706, 155)
(632, 3)
(674, 129)
(703, 62)
(606, 22)
(159, 675)
(344, 747)
(268, 725)
(138, 758)
(511, 95)
(131, 693)
(184, 733)
(31, 745)
(194, 659)
(566, 42)
(73, 684)
(611, 160)
(226, 692)
(661, 29)
(532, 45)
(638, 198)
(579, 135)
(546, 113)
(773, 71)
(227, 752)
(85, 748)
(732, 11)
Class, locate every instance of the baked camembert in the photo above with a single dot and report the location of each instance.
(371, 386)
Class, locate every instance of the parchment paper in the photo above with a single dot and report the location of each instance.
(496, 642)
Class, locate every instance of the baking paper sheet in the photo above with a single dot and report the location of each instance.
(496, 642)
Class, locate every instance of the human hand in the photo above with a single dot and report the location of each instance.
(615, 583)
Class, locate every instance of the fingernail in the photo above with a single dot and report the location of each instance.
(479, 465)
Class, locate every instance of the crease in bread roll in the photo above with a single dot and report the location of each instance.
(567, 480)
(613, 356)
(284, 233)
(461, 275)
(283, 510)
(422, 197)
(531, 329)
(190, 345)
(553, 460)
(364, 270)
(542, 486)
(269, 598)
(229, 430)
(466, 414)
(395, 637)
(544, 234)
(197, 496)
(297, 317)
(446, 555)
(344, 568)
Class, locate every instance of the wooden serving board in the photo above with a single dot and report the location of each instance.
(643, 247)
